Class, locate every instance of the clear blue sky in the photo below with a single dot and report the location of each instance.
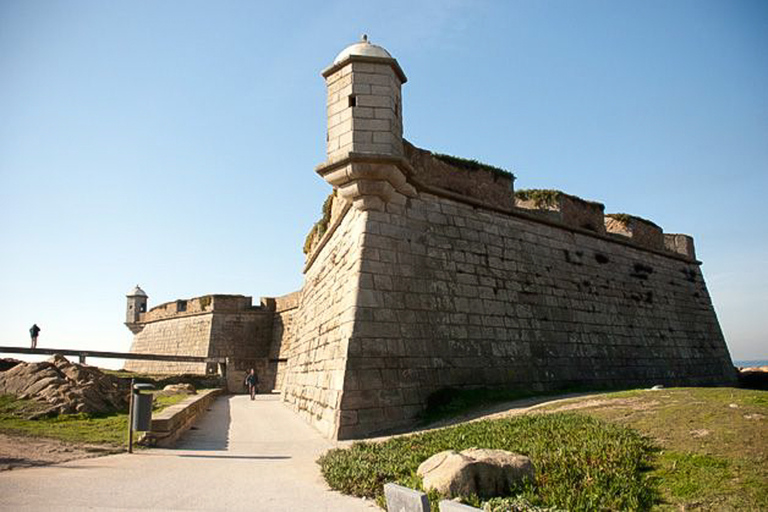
(172, 144)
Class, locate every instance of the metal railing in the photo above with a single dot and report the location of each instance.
(82, 354)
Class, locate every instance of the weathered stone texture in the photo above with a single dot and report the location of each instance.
(314, 376)
(283, 336)
(570, 211)
(188, 336)
(453, 295)
(223, 326)
(364, 110)
(639, 231)
(491, 188)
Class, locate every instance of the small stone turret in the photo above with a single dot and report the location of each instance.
(365, 127)
(136, 304)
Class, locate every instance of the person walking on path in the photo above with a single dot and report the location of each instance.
(251, 380)
(33, 332)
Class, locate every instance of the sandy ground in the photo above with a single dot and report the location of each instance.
(26, 452)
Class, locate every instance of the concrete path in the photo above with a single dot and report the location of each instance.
(243, 455)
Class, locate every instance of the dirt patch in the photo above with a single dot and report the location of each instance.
(25, 452)
(636, 404)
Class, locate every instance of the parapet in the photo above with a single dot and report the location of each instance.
(282, 303)
(286, 302)
(468, 178)
(199, 305)
(640, 231)
(563, 208)
(681, 244)
(492, 187)
(571, 211)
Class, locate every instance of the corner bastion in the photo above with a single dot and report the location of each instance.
(429, 271)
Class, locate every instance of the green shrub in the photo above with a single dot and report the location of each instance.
(542, 198)
(321, 226)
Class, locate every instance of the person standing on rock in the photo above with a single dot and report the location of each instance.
(33, 332)
(251, 380)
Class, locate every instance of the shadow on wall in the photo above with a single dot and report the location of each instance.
(212, 431)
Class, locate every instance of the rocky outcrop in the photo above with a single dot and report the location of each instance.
(66, 387)
(486, 473)
(8, 363)
(178, 389)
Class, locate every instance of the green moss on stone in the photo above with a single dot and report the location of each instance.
(472, 165)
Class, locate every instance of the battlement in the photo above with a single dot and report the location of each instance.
(466, 178)
(198, 306)
(493, 188)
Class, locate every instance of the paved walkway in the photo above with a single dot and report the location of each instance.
(243, 455)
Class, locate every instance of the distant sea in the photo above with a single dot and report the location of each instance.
(749, 363)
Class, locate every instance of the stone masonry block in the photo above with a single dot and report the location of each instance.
(372, 79)
(372, 125)
(370, 100)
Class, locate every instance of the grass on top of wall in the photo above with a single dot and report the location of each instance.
(472, 165)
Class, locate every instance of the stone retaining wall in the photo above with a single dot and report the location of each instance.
(170, 423)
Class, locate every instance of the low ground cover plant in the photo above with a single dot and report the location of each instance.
(581, 463)
(672, 449)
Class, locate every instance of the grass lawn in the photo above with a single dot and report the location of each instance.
(712, 442)
(107, 429)
(674, 449)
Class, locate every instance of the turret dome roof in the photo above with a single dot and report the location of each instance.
(137, 292)
(363, 48)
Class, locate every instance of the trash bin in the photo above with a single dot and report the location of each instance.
(142, 412)
(142, 408)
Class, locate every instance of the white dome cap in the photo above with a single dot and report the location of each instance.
(363, 51)
(363, 48)
(137, 292)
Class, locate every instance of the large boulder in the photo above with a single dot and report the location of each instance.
(486, 473)
(178, 389)
(65, 387)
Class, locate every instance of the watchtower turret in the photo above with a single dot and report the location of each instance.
(365, 127)
(136, 304)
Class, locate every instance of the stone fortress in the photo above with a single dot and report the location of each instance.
(428, 272)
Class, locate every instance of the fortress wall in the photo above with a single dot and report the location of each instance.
(244, 338)
(241, 335)
(283, 337)
(188, 335)
(314, 373)
(455, 295)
